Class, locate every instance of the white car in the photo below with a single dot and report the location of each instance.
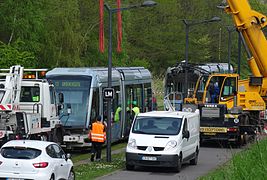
(31, 159)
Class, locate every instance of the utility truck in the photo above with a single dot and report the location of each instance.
(233, 114)
(28, 106)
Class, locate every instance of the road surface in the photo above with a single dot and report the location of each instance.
(209, 159)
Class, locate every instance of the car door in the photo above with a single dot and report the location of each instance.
(55, 161)
(64, 166)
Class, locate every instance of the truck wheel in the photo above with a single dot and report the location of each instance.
(245, 139)
(58, 135)
(195, 160)
(240, 141)
(179, 164)
(129, 167)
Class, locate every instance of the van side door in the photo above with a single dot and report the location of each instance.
(194, 135)
(185, 140)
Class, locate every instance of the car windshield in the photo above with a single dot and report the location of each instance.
(20, 152)
(157, 125)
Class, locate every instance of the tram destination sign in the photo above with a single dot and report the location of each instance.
(108, 93)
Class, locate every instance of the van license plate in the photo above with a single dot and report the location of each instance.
(149, 158)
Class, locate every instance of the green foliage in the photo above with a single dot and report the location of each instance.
(62, 37)
(14, 54)
(250, 164)
(204, 55)
(65, 33)
(22, 20)
(97, 169)
(157, 86)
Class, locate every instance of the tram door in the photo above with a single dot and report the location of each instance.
(115, 114)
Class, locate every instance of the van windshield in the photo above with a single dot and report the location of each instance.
(157, 125)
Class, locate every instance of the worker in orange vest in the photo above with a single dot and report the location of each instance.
(98, 137)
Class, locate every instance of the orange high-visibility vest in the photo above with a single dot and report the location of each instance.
(97, 133)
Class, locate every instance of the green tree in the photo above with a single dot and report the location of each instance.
(62, 39)
(22, 20)
(15, 55)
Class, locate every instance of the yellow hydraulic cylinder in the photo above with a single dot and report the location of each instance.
(254, 68)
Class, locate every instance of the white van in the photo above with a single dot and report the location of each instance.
(163, 139)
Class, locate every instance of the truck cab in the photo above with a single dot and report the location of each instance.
(28, 106)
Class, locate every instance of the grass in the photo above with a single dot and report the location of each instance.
(248, 164)
(97, 169)
(93, 170)
(88, 155)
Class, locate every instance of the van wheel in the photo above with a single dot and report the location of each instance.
(179, 164)
(195, 160)
(129, 167)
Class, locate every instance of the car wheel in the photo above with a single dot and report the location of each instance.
(195, 160)
(71, 175)
(179, 164)
(52, 177)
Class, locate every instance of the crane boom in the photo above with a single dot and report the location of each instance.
(250, 24)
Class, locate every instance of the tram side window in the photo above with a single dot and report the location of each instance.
(134, 96)
(95, 105)
(117, 99)
(148, 98)
(116, 103)
(129, 96)
(138, 96)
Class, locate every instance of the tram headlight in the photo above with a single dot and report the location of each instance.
(132, 144)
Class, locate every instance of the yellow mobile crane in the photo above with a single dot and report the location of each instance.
(229, 107)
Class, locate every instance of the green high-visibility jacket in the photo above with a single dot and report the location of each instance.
(117, 114)
(136, 110)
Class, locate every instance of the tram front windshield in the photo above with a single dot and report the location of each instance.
(76, 95)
